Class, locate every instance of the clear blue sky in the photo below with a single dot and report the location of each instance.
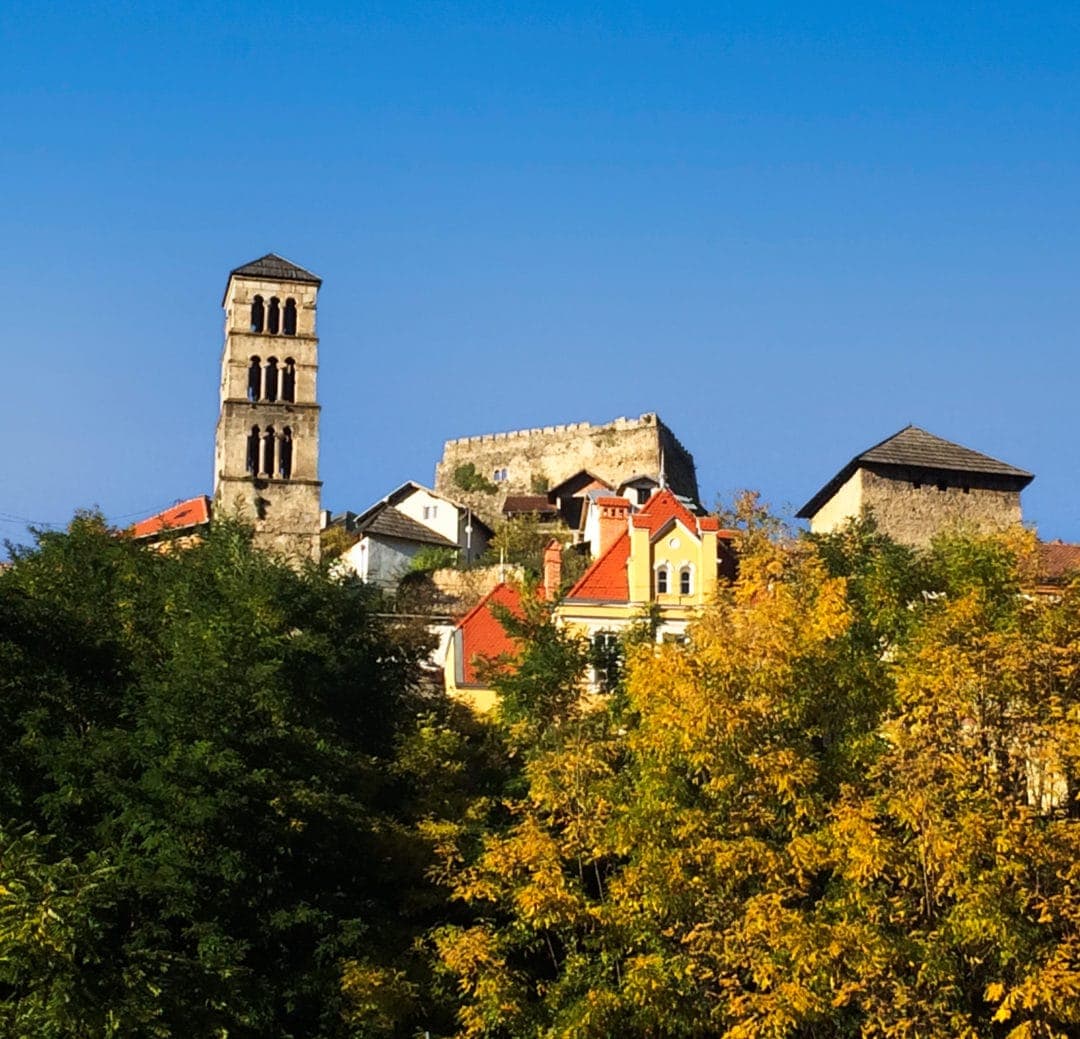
(788, 228)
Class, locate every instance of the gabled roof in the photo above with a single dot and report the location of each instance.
(480, 636)
(272, 267)
(518, 504)
(183, 515)
(390, 522)
(915, 448)
(607, 579)
(410, 487)
(578, 484)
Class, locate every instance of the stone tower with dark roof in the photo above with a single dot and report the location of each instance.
(266, 452)
(916, 485)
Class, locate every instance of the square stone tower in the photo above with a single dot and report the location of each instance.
(916, 485)
(266, 452)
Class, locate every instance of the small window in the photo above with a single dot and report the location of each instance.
(257, 314)
(430, 511)
(685, 582)
(289, 323)
(661, 581)
(500, 475)
(273, 316)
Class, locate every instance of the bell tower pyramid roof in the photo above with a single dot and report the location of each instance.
(272, 267)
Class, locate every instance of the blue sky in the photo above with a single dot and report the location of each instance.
(790, 229)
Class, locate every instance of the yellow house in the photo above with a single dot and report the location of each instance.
(660, 558)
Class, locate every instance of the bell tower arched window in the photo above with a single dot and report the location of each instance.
(289, 324)
(285, 454)
(257, 314)
(288, 380)
(268, 444)
(270, 391)
(252, 462)
(273, 316)
(254, 384)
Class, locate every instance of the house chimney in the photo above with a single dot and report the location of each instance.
(614, 513)
(552, 569)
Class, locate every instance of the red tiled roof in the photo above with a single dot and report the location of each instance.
(1057, 561)
(662, 507)
(612, 502)
(606, 580)
(482, 636)
(191, 513)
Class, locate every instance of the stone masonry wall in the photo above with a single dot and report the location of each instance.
(613, 451)
(914, 514)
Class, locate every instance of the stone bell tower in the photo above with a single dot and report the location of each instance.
(266, 452)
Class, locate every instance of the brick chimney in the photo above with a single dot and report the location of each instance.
(552, 569)
(614, 514)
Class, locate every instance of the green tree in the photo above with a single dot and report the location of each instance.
(198, 748)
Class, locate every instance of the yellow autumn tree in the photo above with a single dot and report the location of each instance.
(846, 808)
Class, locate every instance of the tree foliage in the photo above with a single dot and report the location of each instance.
(847, 808)
(199, 763)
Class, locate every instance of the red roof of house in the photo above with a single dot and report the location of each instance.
(607, 579)
(482, 636)
(191, 513)
(1057, 561)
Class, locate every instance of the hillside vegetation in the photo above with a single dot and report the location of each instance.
(847, 807)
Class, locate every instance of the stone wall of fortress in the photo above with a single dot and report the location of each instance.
(549, 454)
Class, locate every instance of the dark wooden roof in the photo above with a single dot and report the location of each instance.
(518, 504)
(390, 522)
(272, 267)
(915, 448)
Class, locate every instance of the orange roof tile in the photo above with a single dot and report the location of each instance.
(482, 636)
(606, 580)
(1057, 561)
(191, 513)
(662, 507)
